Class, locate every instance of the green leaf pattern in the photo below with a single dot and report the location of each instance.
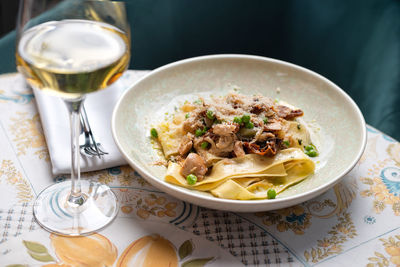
(35, 247)
(38, 252)
(185, 249)
(197, 262)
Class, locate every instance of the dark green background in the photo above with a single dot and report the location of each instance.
(356, 44)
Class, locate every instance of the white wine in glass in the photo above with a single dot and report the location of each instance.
(74, 48)
(70, 58)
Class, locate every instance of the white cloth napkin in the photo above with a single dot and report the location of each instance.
(99, 107)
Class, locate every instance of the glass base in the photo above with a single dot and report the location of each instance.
(54, 213)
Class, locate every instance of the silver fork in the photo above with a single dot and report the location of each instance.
(87, 143)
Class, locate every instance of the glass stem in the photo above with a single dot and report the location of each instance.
(76, 198)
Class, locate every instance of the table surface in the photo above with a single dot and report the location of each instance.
(357, 221)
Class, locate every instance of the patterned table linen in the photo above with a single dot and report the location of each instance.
(355, 223)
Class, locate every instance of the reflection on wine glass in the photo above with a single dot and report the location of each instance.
(74, 48)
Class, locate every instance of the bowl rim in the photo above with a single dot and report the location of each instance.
(278, 202)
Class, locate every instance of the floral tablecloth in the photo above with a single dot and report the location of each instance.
(356, 223)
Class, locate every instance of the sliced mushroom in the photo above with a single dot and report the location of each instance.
(238, 149)
(288, 113)
(186, 144)
(273, 126)
(264, 136)
(225, 143)
(269, 149)
(194, 164)
(224, 129)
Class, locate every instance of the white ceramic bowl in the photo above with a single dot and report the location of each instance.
(321, 100)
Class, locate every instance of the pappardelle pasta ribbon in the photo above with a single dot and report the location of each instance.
(251, 176)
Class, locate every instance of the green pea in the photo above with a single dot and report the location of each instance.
(199, 132)
(210, 114)
(311, 153)
(187, 115)
(271, 193)
(153, 132)
(204, 144)
(249, 125)
(299, 141)
(191, 179)
(265, 120)
(286, 143)
(309, 148)
(298, 126)
(246, 118)
(237, 120)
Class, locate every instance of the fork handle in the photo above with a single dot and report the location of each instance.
(88, 130)
(85, 122)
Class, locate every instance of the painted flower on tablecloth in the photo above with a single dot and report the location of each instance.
(391, 178)
(149, 251)
(28, 134)
(392, 247)
(146, 205)
(332, 243)
(394, 252)
(324, 243)
(294, 218)
(369, 219)
(384, 187)
(156, 206)
(94, 250)
(13, 177)
(156, 251)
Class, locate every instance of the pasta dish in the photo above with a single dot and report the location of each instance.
(236, 146)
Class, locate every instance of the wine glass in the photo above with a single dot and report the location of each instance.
(68, 49)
